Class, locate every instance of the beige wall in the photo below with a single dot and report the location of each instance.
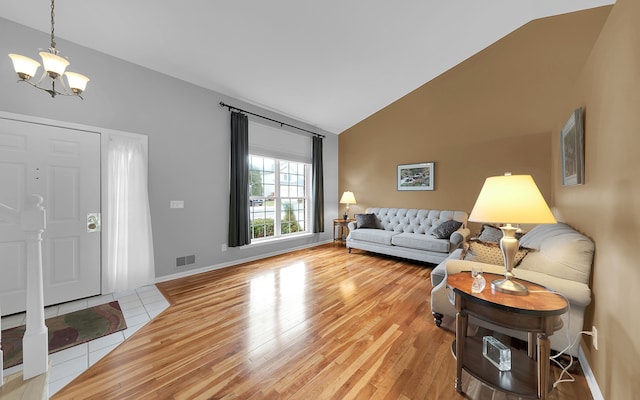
(503, 110)
(605, 206)
(491, 114)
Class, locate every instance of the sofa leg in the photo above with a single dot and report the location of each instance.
(437, 318)
(349, 248)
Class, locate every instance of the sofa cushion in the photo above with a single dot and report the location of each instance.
(445, 229)
(421, 242)
(366, 221)
(379, 236)
(561, 252)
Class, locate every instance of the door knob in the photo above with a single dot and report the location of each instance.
(93, 222)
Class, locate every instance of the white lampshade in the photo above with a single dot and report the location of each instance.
(53, 63)
(25, 67)
(77, 82)
(512, 199)
(348, 198)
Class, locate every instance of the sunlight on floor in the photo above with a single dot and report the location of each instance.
(277, 305)
(138, 306)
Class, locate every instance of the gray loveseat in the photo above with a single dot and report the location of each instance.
(561, 260)
(408, 233)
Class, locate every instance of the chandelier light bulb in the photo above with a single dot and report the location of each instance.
(25, 67)
(77, 82)
(53, 64)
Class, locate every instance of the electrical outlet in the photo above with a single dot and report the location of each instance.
(224, 247)
(594, 337)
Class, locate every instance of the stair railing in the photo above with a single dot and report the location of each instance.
(32, 221)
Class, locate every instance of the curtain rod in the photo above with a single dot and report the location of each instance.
(222, 104)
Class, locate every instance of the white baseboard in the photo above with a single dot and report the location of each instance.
(588, 374)
(190, 272)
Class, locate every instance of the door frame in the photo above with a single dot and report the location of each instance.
(105, 134)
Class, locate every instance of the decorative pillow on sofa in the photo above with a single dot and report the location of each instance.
(445, 229)
(366, 221)
(490, 233)
(489, 253)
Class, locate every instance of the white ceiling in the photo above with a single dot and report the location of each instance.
(329, 63)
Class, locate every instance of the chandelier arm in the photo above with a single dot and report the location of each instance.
(64, 86)
(42, 77)
(52, 92)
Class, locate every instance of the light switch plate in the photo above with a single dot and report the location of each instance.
(176, 204)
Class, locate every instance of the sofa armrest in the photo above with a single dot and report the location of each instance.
(576, 292)
(352, 225)
(460, 236)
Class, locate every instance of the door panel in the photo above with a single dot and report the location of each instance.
(62, 165)
(13, 279)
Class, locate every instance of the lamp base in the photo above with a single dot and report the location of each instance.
(509, 286)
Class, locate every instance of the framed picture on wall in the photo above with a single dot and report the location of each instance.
(572, 149)
(416, 176)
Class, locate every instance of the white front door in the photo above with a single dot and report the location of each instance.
(63, 166)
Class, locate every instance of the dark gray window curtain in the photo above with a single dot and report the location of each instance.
(239, 181)
(317, 182)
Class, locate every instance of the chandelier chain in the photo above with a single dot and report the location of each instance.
(53, 39)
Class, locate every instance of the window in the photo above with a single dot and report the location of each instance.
(279, 197)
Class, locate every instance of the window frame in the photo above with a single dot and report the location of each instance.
(277, 198)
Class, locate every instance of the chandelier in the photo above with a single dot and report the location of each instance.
(54, 67)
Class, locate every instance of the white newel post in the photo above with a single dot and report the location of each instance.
(35, 341)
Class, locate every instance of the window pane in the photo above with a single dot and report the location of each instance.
(262, 221)
(292, 179)
(256, 176)
(290, 222)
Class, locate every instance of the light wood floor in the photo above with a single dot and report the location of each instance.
(313, 324)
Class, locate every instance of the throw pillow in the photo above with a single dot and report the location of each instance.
(490, 253)
(490, 233)
(366, 221)
(445, 229)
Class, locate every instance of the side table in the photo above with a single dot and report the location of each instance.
(537, 314)
(343, 224)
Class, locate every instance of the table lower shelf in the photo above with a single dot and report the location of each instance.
(522, 379)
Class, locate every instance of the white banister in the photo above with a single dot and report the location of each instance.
(9, 214)
(35, 345)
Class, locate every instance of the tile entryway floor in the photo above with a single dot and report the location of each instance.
(138, 307)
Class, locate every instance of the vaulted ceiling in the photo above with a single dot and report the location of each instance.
(328, 63)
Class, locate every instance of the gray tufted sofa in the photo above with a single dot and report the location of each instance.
(408, 233)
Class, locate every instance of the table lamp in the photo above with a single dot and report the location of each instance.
(510, 199)
(347, 198)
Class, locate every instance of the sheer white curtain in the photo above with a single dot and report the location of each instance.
(130, 244)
